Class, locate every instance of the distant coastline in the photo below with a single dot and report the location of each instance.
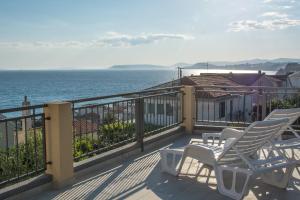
(254, 64)
(139, 67)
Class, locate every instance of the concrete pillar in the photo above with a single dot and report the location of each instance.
(59, 139)
(189, 106)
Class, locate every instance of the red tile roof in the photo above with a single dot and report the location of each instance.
(210, 79)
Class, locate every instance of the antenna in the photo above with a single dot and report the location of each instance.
(179, 73)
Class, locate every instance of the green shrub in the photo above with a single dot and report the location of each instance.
(286, 103)
(107, 135)
(18, 160)
(82, 146)
(116, 132)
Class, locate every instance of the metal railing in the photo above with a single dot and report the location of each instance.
(241, 105)
(22, 143)
(106, 122)
(162, 111)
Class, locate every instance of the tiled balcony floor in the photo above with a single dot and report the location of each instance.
(140, 178)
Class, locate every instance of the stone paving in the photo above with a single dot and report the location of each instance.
(140, 178)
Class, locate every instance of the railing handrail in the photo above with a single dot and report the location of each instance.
(21, 108)
(246, 92)
(120, 101)
(245, 87)
(20, 117)
(121, 94)
(228, 91)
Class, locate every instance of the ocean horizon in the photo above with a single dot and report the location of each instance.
(41, 86)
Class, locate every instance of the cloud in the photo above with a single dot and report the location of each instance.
(279, 1)
(273, 24)
(271, 20)
(286, 7)
(122, 40)
(274, 14)
(111, 39)
(281, 4)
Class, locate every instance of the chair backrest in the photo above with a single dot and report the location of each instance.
(254, 138)
(292, 114)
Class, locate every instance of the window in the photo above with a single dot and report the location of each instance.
(151, 108)
(222, 109)
(169, 109)
(160, 109)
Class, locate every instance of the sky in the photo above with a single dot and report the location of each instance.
(90, 34)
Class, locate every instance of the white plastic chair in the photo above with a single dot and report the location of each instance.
(237, 159)
(292, 114)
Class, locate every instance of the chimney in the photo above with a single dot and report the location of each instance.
(26, 103)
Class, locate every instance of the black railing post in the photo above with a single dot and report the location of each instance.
(139, 121)
(244, 108)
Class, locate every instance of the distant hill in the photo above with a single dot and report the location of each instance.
(181, 64)
(286, 60)
(202, 66)
(267, 66)
(138, 67)
(256, 61)
(254, 64)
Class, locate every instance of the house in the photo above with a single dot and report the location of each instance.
(7, 133)
(84, 126)
(219, 104)
(212, 104)
(294, 79)
(103, 113)
(162, 110)
(289, 69)
(262, 79)
(253, 79)
(284, 79)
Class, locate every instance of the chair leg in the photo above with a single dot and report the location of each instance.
(278, 178)
(181, 163)
(232, 191)
(169, 167)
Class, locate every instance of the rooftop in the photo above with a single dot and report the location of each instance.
(214, 79)
(140, 178)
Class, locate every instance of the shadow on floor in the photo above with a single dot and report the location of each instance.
(140, 178)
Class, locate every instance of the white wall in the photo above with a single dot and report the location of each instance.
(295, 80)
(162, 119)
(208, 109)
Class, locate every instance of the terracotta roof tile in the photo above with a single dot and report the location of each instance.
(210, 79)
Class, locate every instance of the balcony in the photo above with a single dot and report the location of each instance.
(140, 178)
(112, 147)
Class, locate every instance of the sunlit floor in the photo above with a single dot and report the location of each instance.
(140, 178)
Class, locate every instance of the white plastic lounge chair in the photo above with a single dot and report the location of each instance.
(236, 159)
(292, 114)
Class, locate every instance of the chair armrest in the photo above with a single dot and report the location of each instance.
(214, 136)
(225, 134)
(230, 133)
(203, 153)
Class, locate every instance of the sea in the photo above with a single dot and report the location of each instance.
(44, 86)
